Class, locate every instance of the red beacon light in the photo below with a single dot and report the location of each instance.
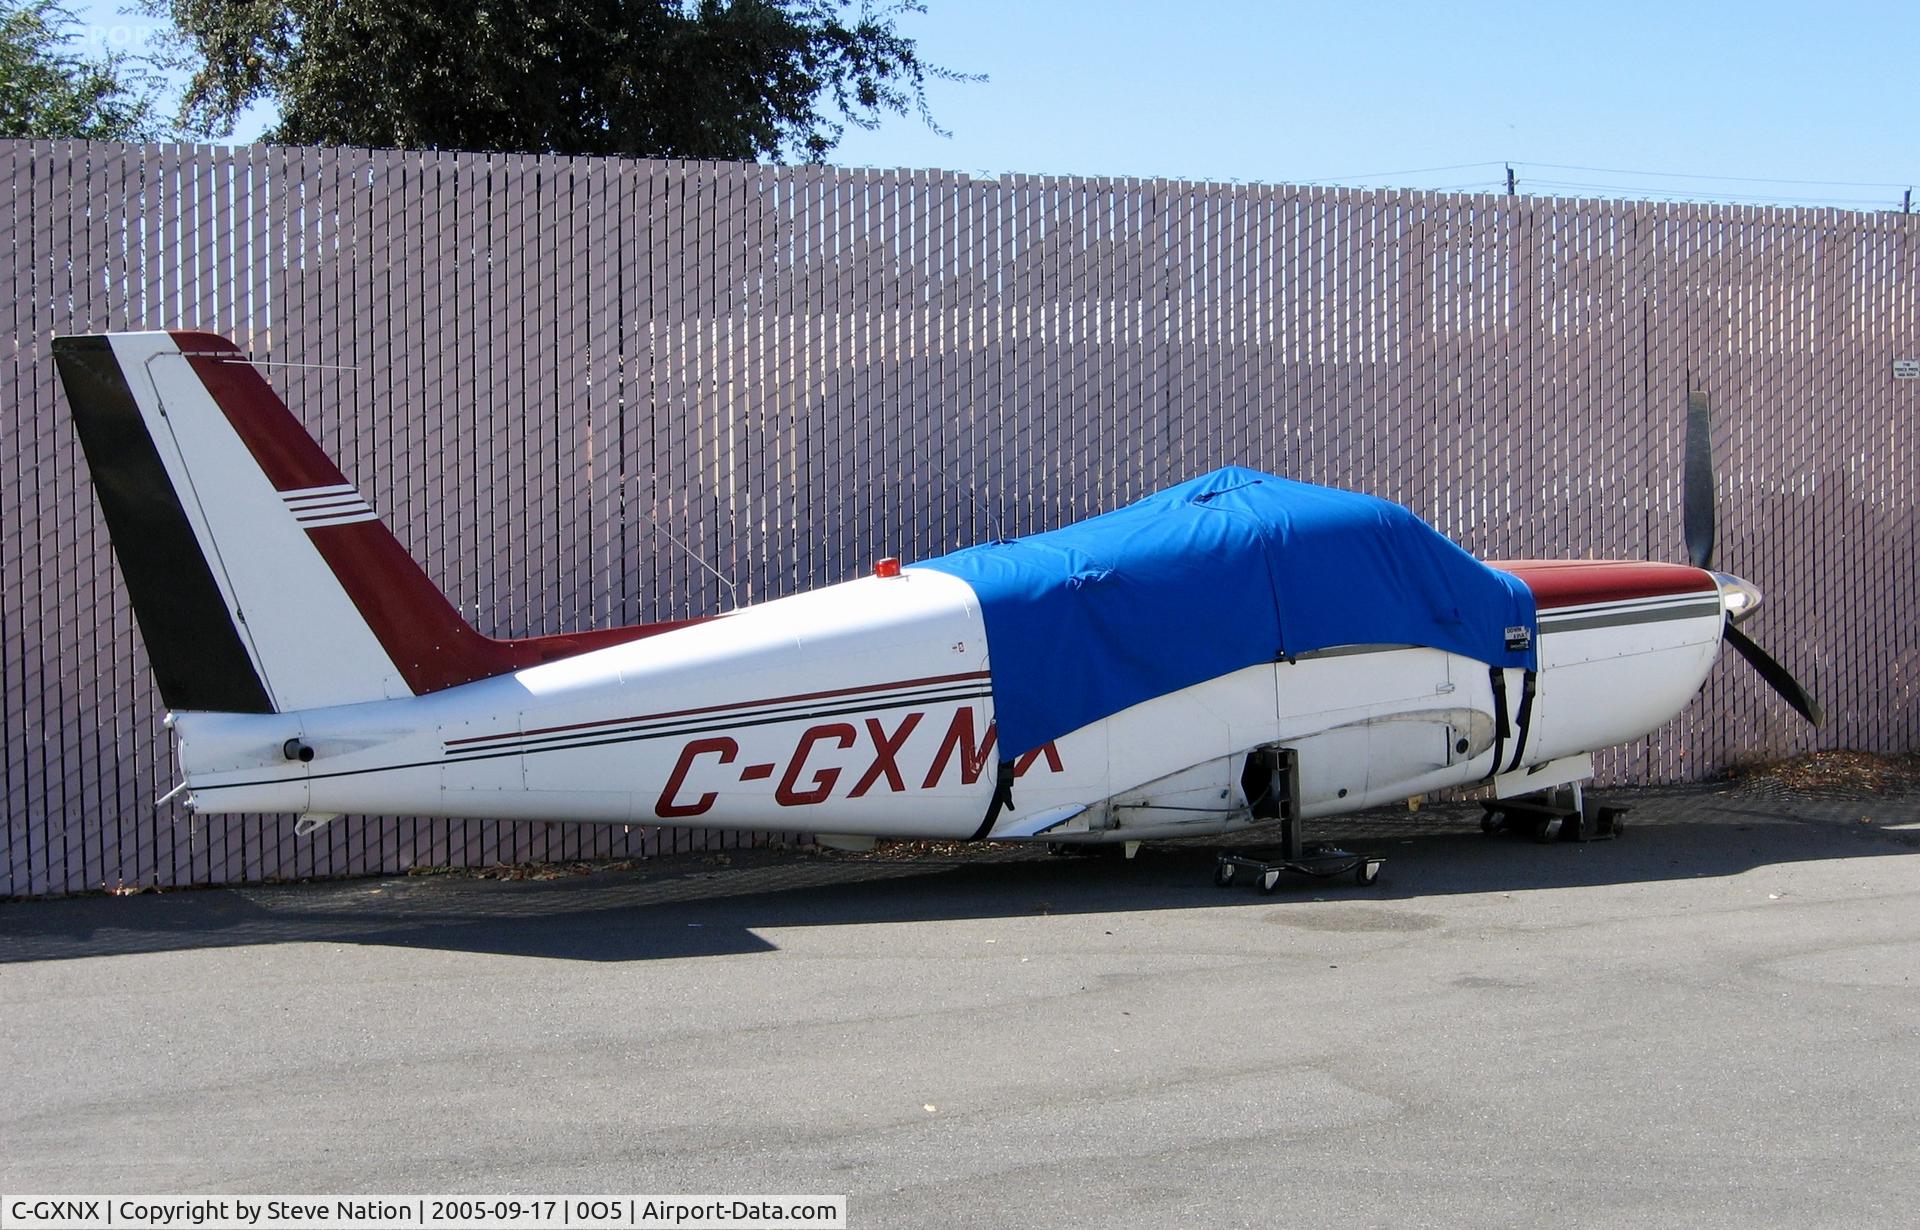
(888, 567)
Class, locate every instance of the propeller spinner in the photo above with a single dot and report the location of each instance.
(1740, 598)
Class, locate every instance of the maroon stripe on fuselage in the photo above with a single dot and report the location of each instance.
(430, 644)
(1580, 582)
(856, 690)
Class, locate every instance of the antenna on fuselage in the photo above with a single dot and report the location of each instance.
(993, 522)
(733, 592)
(972, 491)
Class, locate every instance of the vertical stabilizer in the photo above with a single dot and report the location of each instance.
(262, 579)
(222, 512)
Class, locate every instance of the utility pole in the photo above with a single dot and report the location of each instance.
(1906, 202)
(1510, 181)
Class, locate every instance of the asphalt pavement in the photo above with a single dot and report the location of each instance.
(1713, 1021)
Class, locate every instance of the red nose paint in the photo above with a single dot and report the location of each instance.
(888, 567)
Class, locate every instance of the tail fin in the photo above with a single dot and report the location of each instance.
(261, 579)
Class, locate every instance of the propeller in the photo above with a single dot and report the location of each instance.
(1698, 512)
(1697, 482)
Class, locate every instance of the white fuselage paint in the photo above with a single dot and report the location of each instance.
(865, 708)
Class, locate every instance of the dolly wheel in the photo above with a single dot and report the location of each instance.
(1269, 881)
(1367, 873)
(1223, 874)
(1548, 830)
(1493, 822)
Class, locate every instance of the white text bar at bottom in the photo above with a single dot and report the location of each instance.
(662, 1212)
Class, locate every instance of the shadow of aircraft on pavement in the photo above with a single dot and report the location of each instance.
(684, 906)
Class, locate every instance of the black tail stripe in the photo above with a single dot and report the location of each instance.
(196, 652)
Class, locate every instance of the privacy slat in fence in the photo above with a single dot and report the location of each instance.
(590, 392)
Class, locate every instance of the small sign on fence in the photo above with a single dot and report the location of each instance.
(1906, 369)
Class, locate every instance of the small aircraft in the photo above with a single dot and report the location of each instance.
(1236, 648)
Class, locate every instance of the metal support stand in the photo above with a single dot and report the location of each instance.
(1564, 813)
(1271, 780)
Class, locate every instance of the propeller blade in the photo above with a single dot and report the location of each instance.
(1697, 494)
(1697, 507)
(1777, 676)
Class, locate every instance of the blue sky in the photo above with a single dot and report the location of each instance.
(1685, 99)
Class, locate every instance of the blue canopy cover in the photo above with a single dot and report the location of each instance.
(1228, 570)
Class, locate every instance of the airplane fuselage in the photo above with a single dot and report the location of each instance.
(866, 708)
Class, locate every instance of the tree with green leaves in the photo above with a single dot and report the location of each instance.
(49, 90)
(722, 79)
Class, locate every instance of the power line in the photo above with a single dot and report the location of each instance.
(1456, 166)
(1732, 179)
(1512, 176)
(1701, 186)
(1710, 195)
(1496, 186)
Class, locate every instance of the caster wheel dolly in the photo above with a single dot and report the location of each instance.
(1320, 862)
(1271, 781)
(1563, 813)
